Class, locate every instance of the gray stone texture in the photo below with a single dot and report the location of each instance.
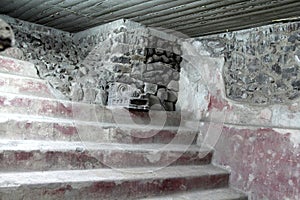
(7, 37)
(261, 64)
(126, 55)
(83, 66)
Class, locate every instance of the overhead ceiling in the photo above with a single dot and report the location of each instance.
(192, 17)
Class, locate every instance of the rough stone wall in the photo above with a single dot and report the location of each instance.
(84, 66)
(133, 62)
(52, 51)
(259, 141)
(262, 65)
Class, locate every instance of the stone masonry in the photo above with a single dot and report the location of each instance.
(261, 64)
(85, 67)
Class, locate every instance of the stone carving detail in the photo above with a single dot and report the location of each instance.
(7, 38)
(128, 96)
(147, 78)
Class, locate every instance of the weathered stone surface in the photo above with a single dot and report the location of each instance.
(111, 183)
(18, 67)
(154, 100)
(269, 152)
(52, 51)
(25, 86)
(216, 194)
(257, 60)
(130, 66)
(7, 37)
(162, 94)
(170, 106)
(174, 86)
(13, 52)
(150, 88)
(172, 96)
(49, 155)
(73, 63)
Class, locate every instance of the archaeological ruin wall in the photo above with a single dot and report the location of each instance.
(254, 89)
(261, 64)
(118, 64)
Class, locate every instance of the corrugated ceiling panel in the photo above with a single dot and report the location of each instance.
(192, 17)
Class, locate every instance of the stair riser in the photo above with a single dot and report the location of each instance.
(15, 104)
(24, 86)
(108, 190)
(28, 105)
(18, 67)
(39, 130)
(55, 160)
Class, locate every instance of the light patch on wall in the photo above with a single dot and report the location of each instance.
(294, 136)
(282, 117)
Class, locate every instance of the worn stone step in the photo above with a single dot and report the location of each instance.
(28, 127)
(214, 194)
(25, 85)
(110, 184)
(28, 155)
(17, 67)
(47, 107)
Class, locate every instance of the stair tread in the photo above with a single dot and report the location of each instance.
(16, 66)
(17, 84)
(14, 180)
(212, 194)
(40, 145)
(60, 108)
(19, 76)
(35, 118)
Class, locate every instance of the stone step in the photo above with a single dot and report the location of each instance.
(17, 67)
(47, 107)
(28, 127)
(110, 184)
(25, 85)
(28, 155)
(214, 194)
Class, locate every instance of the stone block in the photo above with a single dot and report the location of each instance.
(173, 85)
(170, 106)
(76, 92)
(150, 88)
(162, 94)
(119, 68)
(89, 95)
(172, 96)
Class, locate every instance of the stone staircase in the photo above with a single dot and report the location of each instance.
(56, 149)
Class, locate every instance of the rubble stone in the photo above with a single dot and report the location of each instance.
(261, 65)
(83, 67)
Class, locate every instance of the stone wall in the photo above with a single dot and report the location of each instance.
(261, 64)
(52, 51)
(259, 141)
(135, 64)
(85, 66)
